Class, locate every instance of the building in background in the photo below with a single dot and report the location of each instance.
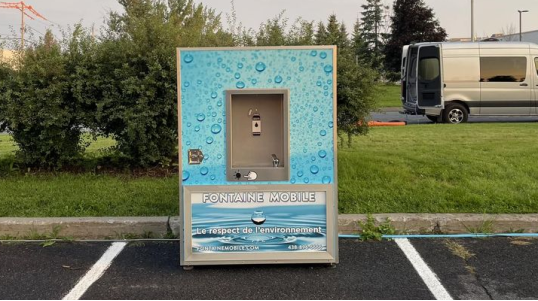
(6, 55)
(527, 36)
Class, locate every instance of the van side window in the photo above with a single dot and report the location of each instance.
(536, 64)
(503, 69)
(428, 68)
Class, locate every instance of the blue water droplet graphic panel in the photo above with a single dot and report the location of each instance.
(308, 74)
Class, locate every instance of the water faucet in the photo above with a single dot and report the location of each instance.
(276, 161)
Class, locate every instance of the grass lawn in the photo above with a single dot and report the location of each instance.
(88, 195)
(434, 168)
(479, 168)
(7, 146)
(388, 96)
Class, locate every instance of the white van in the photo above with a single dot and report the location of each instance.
(447, 82)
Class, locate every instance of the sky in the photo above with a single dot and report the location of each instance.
(491, 16)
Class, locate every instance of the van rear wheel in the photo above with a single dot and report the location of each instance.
(455, 113)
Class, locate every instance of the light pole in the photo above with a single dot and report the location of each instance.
(520, 12)
(472, 20)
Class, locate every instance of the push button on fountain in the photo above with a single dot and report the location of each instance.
(251, 176)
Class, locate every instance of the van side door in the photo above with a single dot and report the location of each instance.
(429, 81)
(505, 83)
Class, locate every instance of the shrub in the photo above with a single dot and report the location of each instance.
(132, 84)
(38, 107)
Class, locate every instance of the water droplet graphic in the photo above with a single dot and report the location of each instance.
(219, 156)
(293, 59)
(312, 158)
(322, 132)
(315, 109)
(258, 217)
(185, 175)
(187, 84)
(326, 180)
(237, 75)
(322, 154)
(204, 171)
(313, 53)
(188, 58)
(240, 85)
(328, 68)
(214, 114)
(314, 169)
(214, 95)
(197, 128)
(301, 68)
(319, 143)
(200, 117)
(300, 173)
(330, 124)
(254, 81)
(215, 129)
(199, 82)
(260, 67)
(209, 140)
(319, 83)
(278, 79)
(219, 103)
(306, 180)
(218, 74)
(323, 55)
(189, 124)
(240, 66)
(188, 143)
(213, 177)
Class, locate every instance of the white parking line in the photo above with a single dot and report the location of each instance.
(428, 276)
(97, 270)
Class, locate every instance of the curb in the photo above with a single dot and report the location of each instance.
(161, 226)
(83, 227)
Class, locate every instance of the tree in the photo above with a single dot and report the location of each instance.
(412, 22)
(359, 46)
(334, 33)
(372, 24)
(509, 33)
(301, 33)
(273, 32)
(355, 81)
(39, 106)
(132, 83)
(321, 33)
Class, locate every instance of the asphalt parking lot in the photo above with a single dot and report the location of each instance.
(495, 268)
(392, 114)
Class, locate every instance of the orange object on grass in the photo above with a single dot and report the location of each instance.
(386, 123)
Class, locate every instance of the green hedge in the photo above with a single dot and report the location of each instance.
(122, 84)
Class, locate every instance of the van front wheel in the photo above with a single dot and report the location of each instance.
(455, 113)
